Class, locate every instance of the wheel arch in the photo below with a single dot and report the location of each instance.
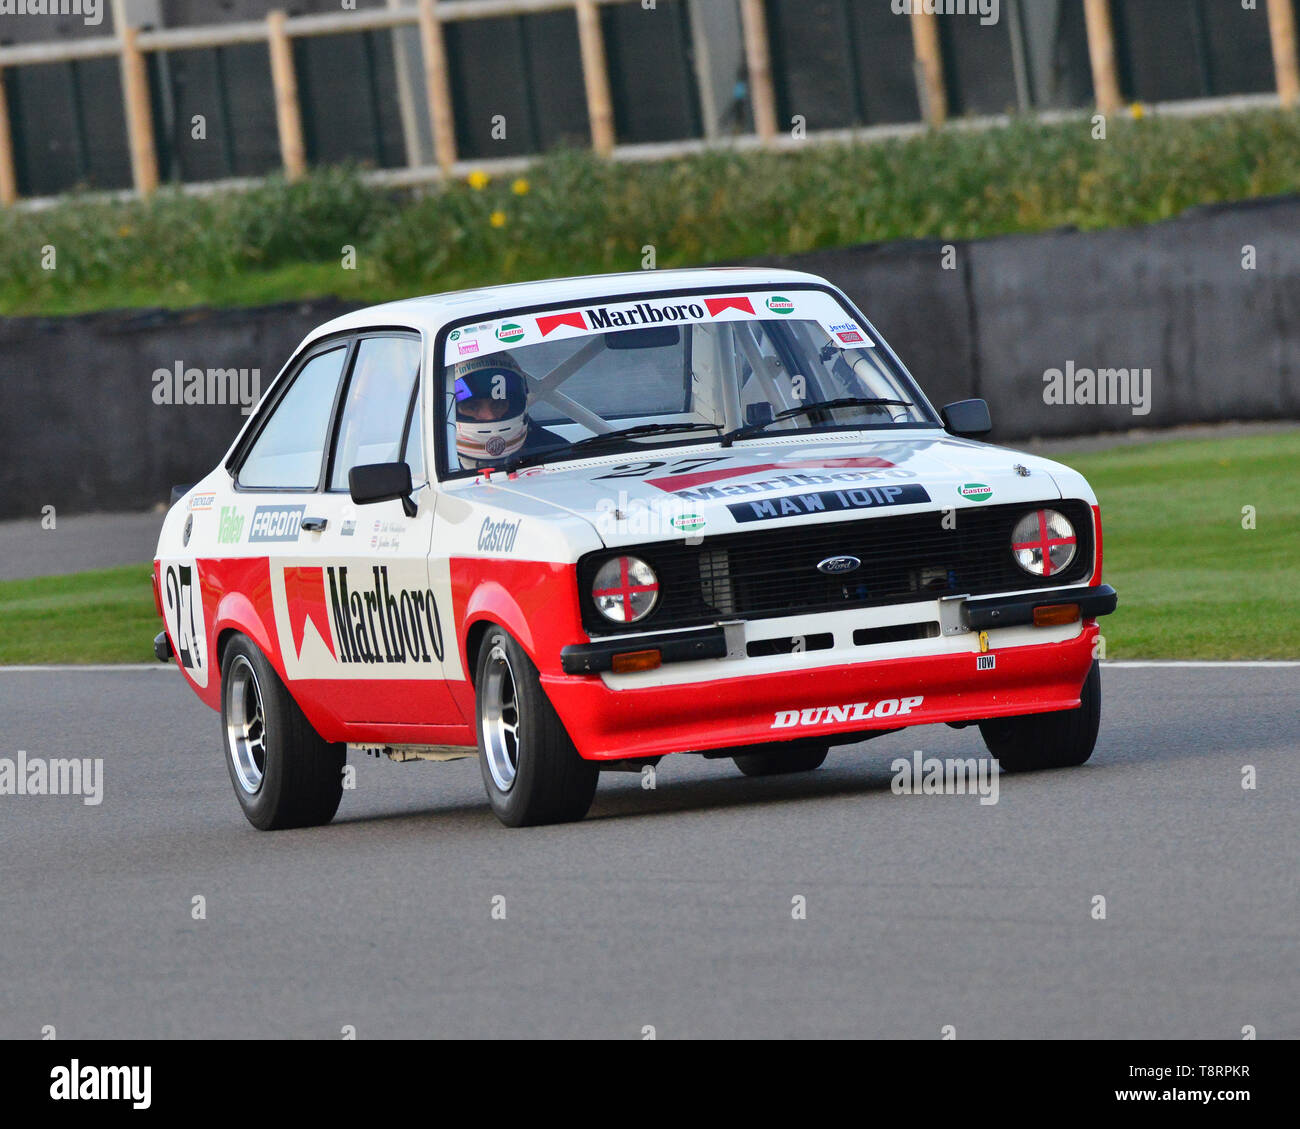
(236, 615)
(491, 605)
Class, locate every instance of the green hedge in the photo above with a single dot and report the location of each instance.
(574, 214)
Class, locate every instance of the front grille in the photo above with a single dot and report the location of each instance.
(774, 573)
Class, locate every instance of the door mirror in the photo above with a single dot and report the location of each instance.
(382, 482)
(968, 418)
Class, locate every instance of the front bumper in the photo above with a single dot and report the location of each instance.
(979, 614)
(1012, 611)
(831, 702)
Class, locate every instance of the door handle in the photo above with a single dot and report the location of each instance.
(314, 524)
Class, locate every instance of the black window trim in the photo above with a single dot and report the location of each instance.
(346, 384)
(349, 340)
(346, 341)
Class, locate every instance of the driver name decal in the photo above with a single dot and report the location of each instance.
(829, 501)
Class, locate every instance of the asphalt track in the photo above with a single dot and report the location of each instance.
(669, 908)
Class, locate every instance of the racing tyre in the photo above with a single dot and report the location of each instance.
(284, 773)
(775, 760)
(1048, 740)
(531, 770)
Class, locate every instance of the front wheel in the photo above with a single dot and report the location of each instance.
(285, 774)
(1048, 740)
(531, 770)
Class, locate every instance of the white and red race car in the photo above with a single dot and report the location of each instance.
(577, 525)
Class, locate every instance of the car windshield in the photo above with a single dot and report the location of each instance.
(558, 384)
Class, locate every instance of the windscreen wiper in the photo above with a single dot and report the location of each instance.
(636, 432)
(806, 409)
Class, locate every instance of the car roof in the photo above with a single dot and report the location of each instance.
(431, 312)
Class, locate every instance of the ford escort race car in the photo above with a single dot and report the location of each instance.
(578, 525)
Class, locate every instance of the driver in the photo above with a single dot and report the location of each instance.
(492, 421)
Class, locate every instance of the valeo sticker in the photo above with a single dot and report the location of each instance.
(688, 523)
(976, 491)
(510, 333)
(779, 305)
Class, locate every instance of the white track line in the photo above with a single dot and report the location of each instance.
(87, 667)
(1207, 664)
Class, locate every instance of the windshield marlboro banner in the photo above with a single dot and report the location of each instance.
(587, 319)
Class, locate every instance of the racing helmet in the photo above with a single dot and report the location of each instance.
(491, 409)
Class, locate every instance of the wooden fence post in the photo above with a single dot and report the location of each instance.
(8, 173)
(595, 74)
(1101, 53)
(288, 114)
(1286, 62)
(437, 85)
(139, 112)
(929, 66)
(758, 62)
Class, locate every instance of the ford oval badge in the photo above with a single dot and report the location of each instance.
(833, 566)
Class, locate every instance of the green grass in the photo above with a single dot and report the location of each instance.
(89, 617)
(575, 214)
(1192, 582)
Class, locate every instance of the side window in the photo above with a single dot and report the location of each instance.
(378, 402)
(287, 454)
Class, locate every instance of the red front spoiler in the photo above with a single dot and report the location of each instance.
(611, 725)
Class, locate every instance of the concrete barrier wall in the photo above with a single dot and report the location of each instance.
(1221, 341)
(79, 428)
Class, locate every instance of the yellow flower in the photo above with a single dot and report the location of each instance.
(479, 180)
(520, 187)
(123, 232)
(1138, 111)
(497, 219)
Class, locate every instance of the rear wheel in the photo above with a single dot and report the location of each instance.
(1048, 740)
(531, 770)
(284, 773)
(776, 760)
